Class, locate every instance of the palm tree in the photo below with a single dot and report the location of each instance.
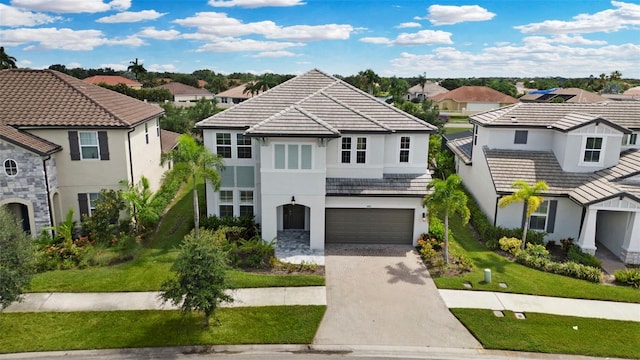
(529, 195)
(251, 88)
(136, 68)
(397, 88)
(368, 78)
(6, 61)
(422, 79)
(192, 161)
(446, 198)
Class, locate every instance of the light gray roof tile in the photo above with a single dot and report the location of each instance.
(410, 185)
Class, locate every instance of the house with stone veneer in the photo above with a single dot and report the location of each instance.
(589, 156)
(63, 140)
(318, 156)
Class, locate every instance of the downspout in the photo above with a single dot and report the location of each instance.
(495, 211)
(584, 213)
(130, 154)
(46, 183)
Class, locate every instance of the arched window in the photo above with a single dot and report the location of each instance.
(10, 167)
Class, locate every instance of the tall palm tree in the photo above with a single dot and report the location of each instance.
(136, 68)
(251, 88)
(192, 161)
(368, 79)
(422, 79)
(446, 198)
(6, 61)
(530, 196)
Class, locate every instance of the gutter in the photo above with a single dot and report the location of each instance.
(46, 182)
(130, 154)
(495, 211)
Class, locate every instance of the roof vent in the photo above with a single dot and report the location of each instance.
(514, 119)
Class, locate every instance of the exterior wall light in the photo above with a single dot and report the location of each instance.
(424, 217)
(293, 200)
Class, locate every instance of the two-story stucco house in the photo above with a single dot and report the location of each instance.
(589, 156)
(315, 154)
(63, 140)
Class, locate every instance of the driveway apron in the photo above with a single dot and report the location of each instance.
(384, 295)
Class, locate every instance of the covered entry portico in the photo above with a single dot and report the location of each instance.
(615, 223)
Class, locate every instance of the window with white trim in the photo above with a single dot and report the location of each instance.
(223, 145)
(348, 152)
(629, 139)
(521, 137)
(226, 203)
(292, 156)
(592, 150)
(89, 147)
(91, 198)
(244, 146)
(146, 132)
(405, 145)
(538, 219)
(10, 167)
(246, 203)
(361, 150)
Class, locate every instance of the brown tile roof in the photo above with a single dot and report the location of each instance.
(430, 89)
(236, 93)
(111, 80)
(632, 91)
(623, 113)
(410, 185)
(475, 94)
(28, 141)
(316, 99)
(177, 88)
(48, 98)
(572, 95)
(169, 139)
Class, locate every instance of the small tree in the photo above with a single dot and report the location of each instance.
(529, 195)
(140, 203)
(16, 259)
(200, 279)
(446, 198)
(104, 218)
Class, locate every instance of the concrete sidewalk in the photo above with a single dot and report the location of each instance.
(67, 302)
(541, 304)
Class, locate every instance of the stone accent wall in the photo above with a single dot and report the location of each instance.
(630, 257)
(29, 184)
(52, 173)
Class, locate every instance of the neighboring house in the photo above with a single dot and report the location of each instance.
(468, 100)
(318, 156)
(233, 96)
(185, 93)
(589, 156)
(569, 95)
(430, 89)
(63, 140)
(113, 80)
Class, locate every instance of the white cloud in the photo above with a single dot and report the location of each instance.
(72, 6)
(12, 16)
(73, 65)
(422, 37)
(152, 33)
(116, 67)
(625, 15)
(162, 68)
(24, 63)
(449, 15)
(219, 24)
(406, 25)
(254, 3)
(563, 39)
(65, 39)
(274, 54)
(131, 16)
(234, 45)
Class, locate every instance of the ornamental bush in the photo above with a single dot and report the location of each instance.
(575, 254)
(510, 245)
(629, 277)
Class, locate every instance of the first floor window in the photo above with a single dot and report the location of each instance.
(538, 220)
(226, 203)
(223, 145)
(89, 145)
(10, 167)
(405, 144)
(92, 197)
(146, 132)
(592, 150)
(246, 203)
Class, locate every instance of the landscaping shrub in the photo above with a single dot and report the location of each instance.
(492, 244)
(537, 250)
(575, 254)
(629, 277)
(254, 253)
(247, 225)
(510, 245)
(570, 268)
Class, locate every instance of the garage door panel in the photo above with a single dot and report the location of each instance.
(369, 226)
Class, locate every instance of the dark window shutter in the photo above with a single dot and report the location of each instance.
(521, 137)
(104, 145)
(74, 146)
(83, 204)
(551, 220)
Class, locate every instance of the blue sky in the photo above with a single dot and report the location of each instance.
(574, 38)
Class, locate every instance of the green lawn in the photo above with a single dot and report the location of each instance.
(151, 267)
(127, 329)
(453, 130)
(553, 334)
(521, 279)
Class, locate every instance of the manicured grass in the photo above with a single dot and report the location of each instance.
(126, 329)
(152, 265)
(521, 279)
(553, 334)
(453, 130)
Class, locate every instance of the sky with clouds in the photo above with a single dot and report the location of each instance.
(575, 38)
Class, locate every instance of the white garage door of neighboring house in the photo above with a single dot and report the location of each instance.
(369, 226)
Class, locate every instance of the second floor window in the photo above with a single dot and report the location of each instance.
(89, 148)
(592, 150)
(405, 145)
(292, 156)
(244, 146)
(347, 151)
(10, 167)
(223, 145)
(629, 139)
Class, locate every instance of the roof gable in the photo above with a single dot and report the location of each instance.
(111, 80)
(28, 141)
(475, 94)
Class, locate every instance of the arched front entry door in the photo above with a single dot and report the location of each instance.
(21, 213)
(293, 217)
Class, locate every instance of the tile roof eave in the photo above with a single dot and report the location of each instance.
(379, 195)
(295, 135)
(54, 150)
(620, 194)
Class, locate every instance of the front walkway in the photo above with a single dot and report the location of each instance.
(610, 262)
(292, 246)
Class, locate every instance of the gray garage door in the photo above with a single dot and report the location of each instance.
(369, 226)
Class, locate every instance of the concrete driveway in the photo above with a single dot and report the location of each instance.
(384, 296)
